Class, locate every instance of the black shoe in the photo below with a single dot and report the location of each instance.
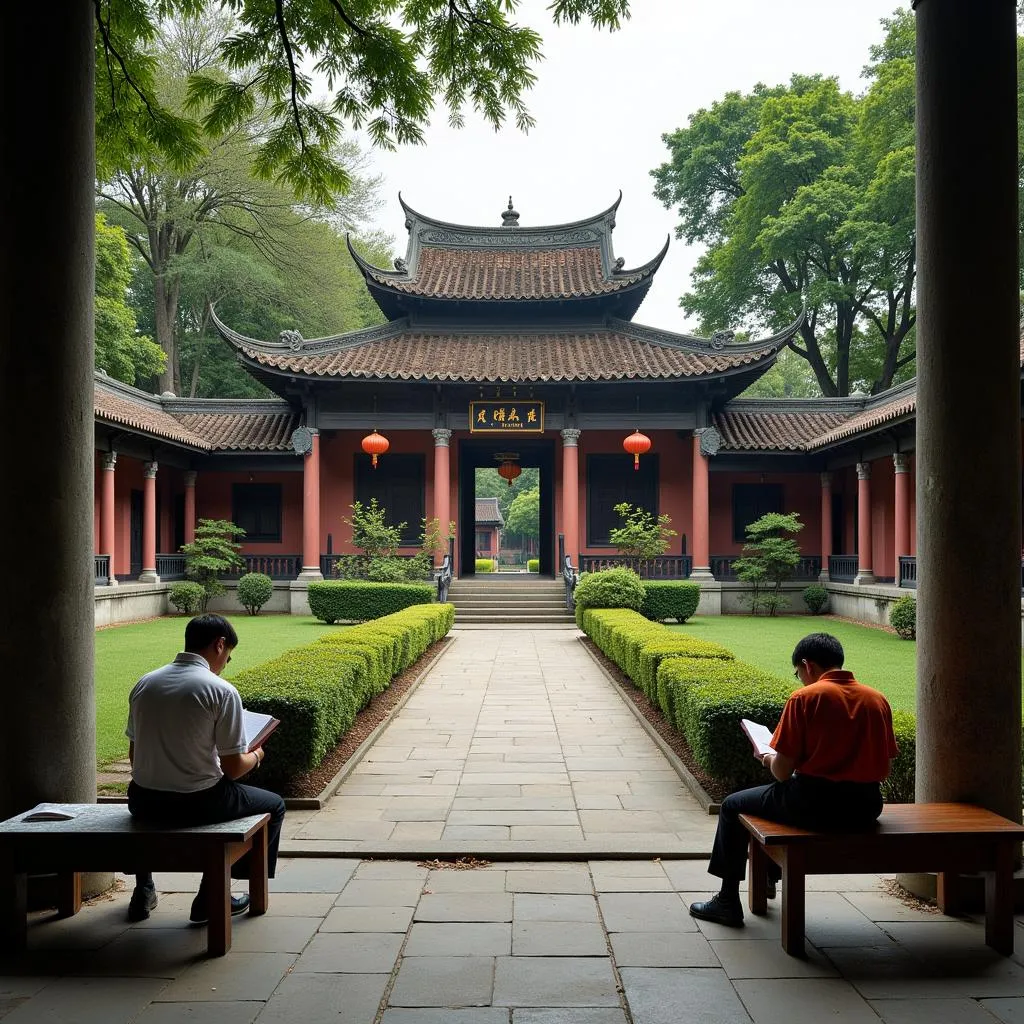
(770, 889)
(720, 910)
(199, 914)
(142, 902)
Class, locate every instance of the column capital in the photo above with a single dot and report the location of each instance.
(149, 470)
(190, 477)
(826, 479)
(863, 470)
(109, 461)
(442, 437)
(899, 462)
(571, 437)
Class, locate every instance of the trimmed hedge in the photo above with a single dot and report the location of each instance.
(484, 565)
(357, 601)
(669, 599)
(533, 565)
(610, 588)
(318, 689)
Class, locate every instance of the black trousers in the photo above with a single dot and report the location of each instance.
(225, 801)
(803, 800)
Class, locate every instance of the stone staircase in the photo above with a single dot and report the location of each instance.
(499, 602)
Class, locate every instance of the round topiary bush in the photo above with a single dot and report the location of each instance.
(670, 599)
(187, 596)
(815, 597)
(610, 588)
(533, 565)
(254, 590)
(903, 617)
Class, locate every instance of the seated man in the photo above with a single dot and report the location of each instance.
(832, 748)
(187, 748)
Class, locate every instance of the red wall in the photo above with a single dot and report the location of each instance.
(213, 501)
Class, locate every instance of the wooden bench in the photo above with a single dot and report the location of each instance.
(951, 839)
(105, 837)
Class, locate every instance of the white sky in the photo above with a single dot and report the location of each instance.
(602, 103)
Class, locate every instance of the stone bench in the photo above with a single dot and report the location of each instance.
(105, 837)
(950, 839)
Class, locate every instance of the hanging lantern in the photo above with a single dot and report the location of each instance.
(375, 444)
(509, 471)
(637, 444)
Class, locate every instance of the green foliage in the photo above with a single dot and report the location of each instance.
(815, 597)
(903, 617)
(254, 591)
(350, 601)
(121, 351)
(770, 559)
(533, 565)
(523, 518)
(371, 532)
(387, 570)
(187, 597)
(640, 534)
(898, 788)
(610, 588)
(669, 599)
(214, 553)
(484, 565)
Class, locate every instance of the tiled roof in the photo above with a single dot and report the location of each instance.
(600, 354)
(261, 432)
(509, 274)
(487, 512)
(140, 414)
(747, 430)
(905, 405)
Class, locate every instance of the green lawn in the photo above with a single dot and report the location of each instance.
(124, 653)
(875, 657)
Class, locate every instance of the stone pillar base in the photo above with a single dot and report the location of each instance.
(311, 574)
(863, 579)
(700, 574)
(924, 885)
(823, 577)
(298, 596)
(148, 576)
(710, 602)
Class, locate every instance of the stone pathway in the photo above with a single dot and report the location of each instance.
(515, 744)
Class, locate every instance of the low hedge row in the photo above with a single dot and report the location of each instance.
(318, 689)
(358, 601)
(669, 599)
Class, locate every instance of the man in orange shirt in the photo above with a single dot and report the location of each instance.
(832, 750)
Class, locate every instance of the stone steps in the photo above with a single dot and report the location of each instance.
(498, 602)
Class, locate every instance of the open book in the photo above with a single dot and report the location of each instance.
(257, 728)
(49, 812)
(760, 737)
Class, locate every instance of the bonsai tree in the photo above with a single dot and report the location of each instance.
(770, 558)
(214, 553)
(640, 534)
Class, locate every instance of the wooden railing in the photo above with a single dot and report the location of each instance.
(842, 568)
(102, 564)
(908, 571)
(663, 567)
(277, 567)
(170, 567)
(807, 569)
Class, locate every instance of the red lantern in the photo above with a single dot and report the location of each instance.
(637, 444)
(509, 471)
(375, 444)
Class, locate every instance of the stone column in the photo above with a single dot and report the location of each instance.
(701, 515)
(149, 573)
(190, 505)
(571, 494)
(442, 483)
(901, 511)
(108, 531)
(864, 572)
(47, 734)
(826, 525)
(311, 512)
(968, 473)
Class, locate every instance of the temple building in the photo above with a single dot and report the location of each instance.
(505, 344)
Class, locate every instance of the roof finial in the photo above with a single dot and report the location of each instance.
(510, 217)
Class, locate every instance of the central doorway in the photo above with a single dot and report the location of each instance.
(474, 454)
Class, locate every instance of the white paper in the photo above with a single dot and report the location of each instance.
(49, 812)
(255, 723)
(759, 736)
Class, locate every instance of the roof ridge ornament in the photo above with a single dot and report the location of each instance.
(293, 339)
(510, 216)
(720, 339)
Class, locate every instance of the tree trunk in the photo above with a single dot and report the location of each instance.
(165, 311)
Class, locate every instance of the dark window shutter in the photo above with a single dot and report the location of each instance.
(256, 508)
(399, 484)
(611, 480)
(749, 503)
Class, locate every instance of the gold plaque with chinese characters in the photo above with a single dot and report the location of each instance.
(505, 417)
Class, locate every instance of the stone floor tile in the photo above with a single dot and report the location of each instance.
(784, 1001)
(87, 1001)
(483, 906)
(386, 892)
(662, 949)
(843, 883)
(879, 906)
(767, 927)
(288, 904)
(632, 883)
(506, 817)
(934, 1011)
(345, 828)
(552, 907)
(200, 1013)
(547, 834)
(475, 833)
(237, 976)
(1009, 1011)
(515, 803)
(833, 921)
(432, 1015)
(309, 874)
(459, 938)
(269, 933)
(629, 868)
(675, 995)
(690, 875)
(351, 953)
(567, 881)
(558, 938)
(379, 870)
(368, 919)
(338, 998)
(508, 790)
(13, 987)
(598, 802)
(444, 981)
(569, 1015)
(645, 911)
(91, 929)
(464, 881)
(550, 982)
(150, 953)
(417, 832)
(764, 958)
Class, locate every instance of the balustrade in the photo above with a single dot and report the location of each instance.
(102, 569)
(170, 567)
(908, 571)
(663, 567)
(842, 568)
(807, 569)
(277, 567)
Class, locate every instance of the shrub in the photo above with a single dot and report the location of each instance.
(389, 569)
(214, 553)
(354, 601)
(187, 597)
(903, 617)
(533, 565)
(484, 565)
(610, 588)
(254, 590)
(640, 534)
(899, 787)
(815, 597)
(668, 599)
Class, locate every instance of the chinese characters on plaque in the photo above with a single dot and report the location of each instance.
(501, 417)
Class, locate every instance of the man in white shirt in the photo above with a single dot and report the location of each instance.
(187, 749)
